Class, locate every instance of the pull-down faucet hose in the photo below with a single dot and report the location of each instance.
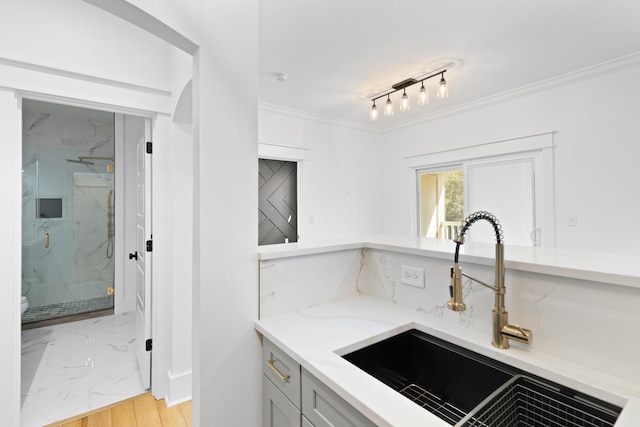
(474, 217)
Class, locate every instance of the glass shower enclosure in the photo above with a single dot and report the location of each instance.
(67, 211)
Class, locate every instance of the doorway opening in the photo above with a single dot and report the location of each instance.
(82, 195)
(68, 219)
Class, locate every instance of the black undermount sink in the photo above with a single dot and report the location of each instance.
(467, 389)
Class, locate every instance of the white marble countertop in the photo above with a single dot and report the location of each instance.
(317, 336)
(594, 266)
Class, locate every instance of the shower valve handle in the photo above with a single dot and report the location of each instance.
(134, 255)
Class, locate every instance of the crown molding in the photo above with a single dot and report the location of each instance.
(316, 117)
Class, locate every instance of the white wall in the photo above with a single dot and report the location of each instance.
(596, 154)
(227, 357)
(70, 49)
(10, 258)
(75, 36)
(341, 180)
(181, 188)
(226, 374)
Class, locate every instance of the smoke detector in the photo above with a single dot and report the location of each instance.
(281, 77)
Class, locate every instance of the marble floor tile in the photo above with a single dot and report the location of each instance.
(78, 367)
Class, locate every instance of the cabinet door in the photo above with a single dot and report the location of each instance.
(277, 411)
(306, 422)
(324, 408)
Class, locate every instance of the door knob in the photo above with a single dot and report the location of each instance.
(134, 255)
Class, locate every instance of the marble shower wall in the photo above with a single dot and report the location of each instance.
(75, 265)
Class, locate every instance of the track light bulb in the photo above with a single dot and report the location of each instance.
(373, 115)
(388, 107)
(443, 91)
(404, 102)
(423, 95)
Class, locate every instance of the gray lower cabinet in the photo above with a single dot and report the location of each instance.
(280, 388)
(324, 408)
(277, 410)
(292, 397)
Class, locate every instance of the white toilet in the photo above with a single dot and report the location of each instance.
(25, 304)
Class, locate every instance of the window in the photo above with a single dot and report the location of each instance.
(513, 179)
(441, 202)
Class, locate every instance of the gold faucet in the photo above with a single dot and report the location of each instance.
(502, 330)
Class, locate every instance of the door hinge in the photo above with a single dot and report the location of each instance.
(149, 147)
(149, 245)
(148, 345)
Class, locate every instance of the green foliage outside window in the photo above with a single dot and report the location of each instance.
(454, 196)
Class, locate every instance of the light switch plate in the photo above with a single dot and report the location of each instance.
(412, 276)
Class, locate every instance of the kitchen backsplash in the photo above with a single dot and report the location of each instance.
(591, 323)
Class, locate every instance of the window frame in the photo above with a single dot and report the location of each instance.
(289, 154)
(538, 146)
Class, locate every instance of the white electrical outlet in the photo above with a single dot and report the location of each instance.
(412, 276)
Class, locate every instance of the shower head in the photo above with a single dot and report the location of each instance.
(81, 161)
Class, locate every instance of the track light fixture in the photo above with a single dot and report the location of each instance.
(423, 94)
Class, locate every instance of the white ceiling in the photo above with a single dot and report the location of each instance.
(334, 51)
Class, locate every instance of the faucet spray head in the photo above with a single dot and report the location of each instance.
(455, 290)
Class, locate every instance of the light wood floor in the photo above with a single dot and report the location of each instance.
(140, 411)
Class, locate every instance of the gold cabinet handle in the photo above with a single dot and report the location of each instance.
(46, 240)
(277, 371)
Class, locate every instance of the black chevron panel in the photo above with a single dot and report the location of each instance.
(277, 202)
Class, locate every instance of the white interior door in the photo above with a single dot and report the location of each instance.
(143, 247)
